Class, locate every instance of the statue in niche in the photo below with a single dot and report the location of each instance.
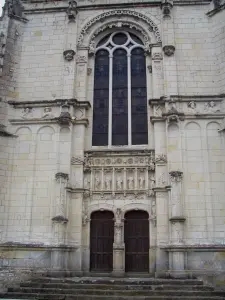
(48, 113)
(141, 182)
(97, 183)
(118, 214)
(27, 112)
(152, 182)
(211, 107)
(130, 181)
(87, 183)
(119, 183)
(108, 183)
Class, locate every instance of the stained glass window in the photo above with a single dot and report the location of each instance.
(120, 97)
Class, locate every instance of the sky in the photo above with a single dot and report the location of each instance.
(1, 4)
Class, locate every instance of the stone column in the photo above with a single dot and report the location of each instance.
(59, 220)
(169, 61)
(118, 246)
(177, 224)
(161, 193)
(157, 72)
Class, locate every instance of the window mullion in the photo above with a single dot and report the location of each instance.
(129, 98)
(110, 99)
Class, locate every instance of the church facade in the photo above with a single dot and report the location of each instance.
(113, 137)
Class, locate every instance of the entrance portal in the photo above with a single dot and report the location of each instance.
(136, 237)
(101, 241)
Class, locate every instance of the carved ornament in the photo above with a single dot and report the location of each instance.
(64, 118)
(81, 59)
(222, 125)
(176, 176)
(166, 7)
(72, 10)
(69, 54)
(149, 68)
(60, 219)
(60, 175)
(169, 50)
(211, 107)
(157, 56)
(160, 158)
(117, 13)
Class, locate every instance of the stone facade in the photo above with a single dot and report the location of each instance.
(53, 179)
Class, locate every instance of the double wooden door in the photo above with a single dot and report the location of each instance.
(136, 238)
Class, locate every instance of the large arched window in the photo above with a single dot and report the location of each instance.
(120, 97)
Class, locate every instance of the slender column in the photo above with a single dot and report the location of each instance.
(129, 99)
(118, 246)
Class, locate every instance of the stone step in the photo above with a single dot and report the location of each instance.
(116, 287)
(119, 281)
(98, 297)
(113, 292)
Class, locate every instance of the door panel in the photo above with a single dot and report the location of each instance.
(136, 236)
(101, 241)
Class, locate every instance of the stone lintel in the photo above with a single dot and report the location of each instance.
(194, 248)
(12, 246)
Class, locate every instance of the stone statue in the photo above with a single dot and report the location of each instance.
(192, 107)
(211, 107)
(97, 183)
(130, 183)
(72, 10)
(119, 183)
(141, 182)
(108, 183)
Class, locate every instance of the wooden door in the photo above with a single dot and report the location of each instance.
(136, 237)
(101, 241)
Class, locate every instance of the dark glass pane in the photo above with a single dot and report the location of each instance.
(136, 39)
(138, 98)
(119, 38)
(119, 99)
(101, 99)
(104, 40)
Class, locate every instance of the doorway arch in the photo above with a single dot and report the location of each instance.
(101, 241)
(136, 238)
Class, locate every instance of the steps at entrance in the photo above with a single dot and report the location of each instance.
(91, 288)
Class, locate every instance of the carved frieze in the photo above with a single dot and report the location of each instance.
(47, 113)
(211, 107)
(160, 158)
(119, 173)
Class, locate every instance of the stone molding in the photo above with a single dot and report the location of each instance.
(169, 50)
(117, 13)
(180, 219)
(69, 54)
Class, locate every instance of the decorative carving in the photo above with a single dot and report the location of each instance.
(69, 54)
(176, 176)
(15, 8)
(158, 111)
(85, 219)
(81, 59)
(169, 50)
(141, 182)
(166, 7)
(48, 113)
(108, 182)
(157, 56)
(97, 183)
(108, 14)
(161, 158)
(161, 182)
(217, 3)
(89, 71)
(92, 47)
(211, 107)
(192, 107)
(118, 215)
(64, 118)
(72, 10)
(149, 68)
(2, 50)
(130, 182)
(61, 175)
(27, 113)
